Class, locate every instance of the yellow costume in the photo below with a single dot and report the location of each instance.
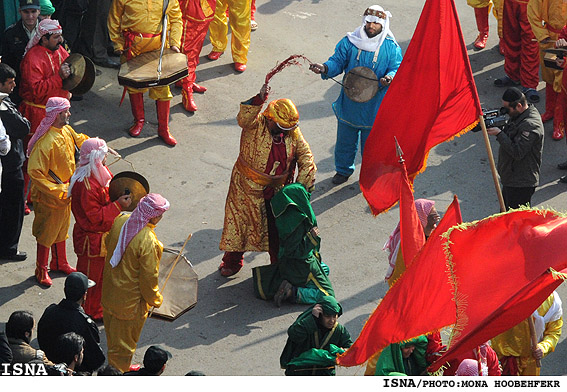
(144, 16)
(239, 19)
(516, 342)
(135, 27)
(245, 224)
(129, 290)
(547, 18)
(52, 209)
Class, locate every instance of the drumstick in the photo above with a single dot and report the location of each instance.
(172, 268)
(533, 337)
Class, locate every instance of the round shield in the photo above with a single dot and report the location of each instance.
(361, 84)
(128, 182)
(82, 74)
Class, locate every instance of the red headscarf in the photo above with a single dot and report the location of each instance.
(150, 206)
(54, 106)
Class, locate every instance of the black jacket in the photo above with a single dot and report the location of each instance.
(5, 351)
(521, 149)
(17, 127)
(68, 316)
(14, 41)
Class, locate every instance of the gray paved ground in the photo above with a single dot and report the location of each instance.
(230, 332)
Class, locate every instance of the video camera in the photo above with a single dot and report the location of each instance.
(494, 118)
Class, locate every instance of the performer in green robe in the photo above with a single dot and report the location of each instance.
(299, 275)
(314, 339)
(399, 359)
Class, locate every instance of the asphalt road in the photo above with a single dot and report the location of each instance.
(230, 332)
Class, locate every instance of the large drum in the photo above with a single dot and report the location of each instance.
(142, 70)
(180, 292)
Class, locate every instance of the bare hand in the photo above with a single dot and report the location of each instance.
(317, 68)
(432, 220)
(125, 201)
(315, 231)
(264, 91)
(317, 310)
(64, 71)
(118, 52)
(560, 62)
(493, 131)
(386, 80)
(537, 352)
(560, 43)
(175, 49)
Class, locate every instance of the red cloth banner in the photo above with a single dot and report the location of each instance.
(411, 230)
(431, 99)
(419, 302)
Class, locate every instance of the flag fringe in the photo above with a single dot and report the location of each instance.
(458, 134)
(558, 275)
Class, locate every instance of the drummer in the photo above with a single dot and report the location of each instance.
(94, 215)
(135, 27)
(371, 45)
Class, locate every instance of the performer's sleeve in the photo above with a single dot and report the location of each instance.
(300, 242)
(38, 170)
(492, 362)
(36, 81)
(175, 24)
(338, 61)
(394, 61)
(535, 19)
(300, 330)
(149, 271)
(346, 340)
(79, 137)
(99, 212)
(248, 116)
(563, 33)
(305, 163)
(520, 146)
(114, 24)
(551, 336)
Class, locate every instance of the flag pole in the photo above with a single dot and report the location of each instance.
(399, 151)
(492, 165)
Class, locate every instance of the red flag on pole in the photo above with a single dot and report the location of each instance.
(432, 98)
(419, 301)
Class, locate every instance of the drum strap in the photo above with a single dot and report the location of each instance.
(373, 60)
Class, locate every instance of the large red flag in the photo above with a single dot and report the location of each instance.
(417, 303)
(482, 277)
(432, 98)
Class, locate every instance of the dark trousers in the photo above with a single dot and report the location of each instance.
(11, 211)
(94, 40)
(516, 197)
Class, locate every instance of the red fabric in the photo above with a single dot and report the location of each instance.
(435, 347)
(401, 314)
(506, 259)
(40, 81)
(93, 267)
(94, 215)
(435, 83)
(411, 229)
(195, 27)
(510, 366)
(521, 54)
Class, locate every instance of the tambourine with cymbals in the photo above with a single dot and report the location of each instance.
(128, 182)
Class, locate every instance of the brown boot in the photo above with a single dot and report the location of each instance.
(481, 16)
(41, 266)
(59, 259)
(162, 108)
(137, 104)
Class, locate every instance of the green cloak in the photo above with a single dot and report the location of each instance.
(391, 360)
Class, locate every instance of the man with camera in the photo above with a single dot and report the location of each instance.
(521, 148)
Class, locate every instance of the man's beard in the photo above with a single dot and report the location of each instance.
(372, 35)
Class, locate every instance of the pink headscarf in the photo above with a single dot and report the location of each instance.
(423, 207)
(54, 106)
(467, 367)
(150, 206)
(46, 26)
(93, 152)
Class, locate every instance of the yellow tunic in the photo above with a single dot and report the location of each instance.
(245, 221)
(144, 16)
(54, 151)
(239, 19)
(547, 18)
(516, 342)
(129, 290)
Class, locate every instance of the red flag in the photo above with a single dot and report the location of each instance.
(432, 98)
(502, 269)
(417, 303)
(411, 230)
